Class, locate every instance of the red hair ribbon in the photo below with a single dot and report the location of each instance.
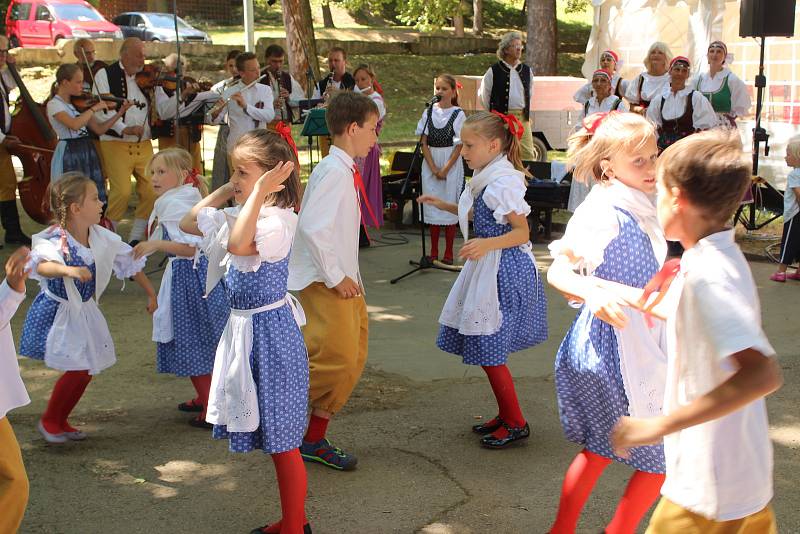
(378, 88)
(192, 178)
(285, 130)
(593, 121)
(458, 85)
(514, 126)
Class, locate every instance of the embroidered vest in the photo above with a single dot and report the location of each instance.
(501, 86)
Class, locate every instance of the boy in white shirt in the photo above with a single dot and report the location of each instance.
(324, 268)
(720, 364)
(13, 479)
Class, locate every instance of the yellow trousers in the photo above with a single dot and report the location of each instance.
(669, 518)
(13, 480)
(526, 143)
(8, 178)
(336, 335)
(121, 160)
(186, 144)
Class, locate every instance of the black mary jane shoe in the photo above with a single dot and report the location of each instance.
(261, 530)
(190, 406)
(200, 423)
(488, 427)
(514, 434)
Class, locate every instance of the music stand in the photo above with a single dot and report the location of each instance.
(314, 126)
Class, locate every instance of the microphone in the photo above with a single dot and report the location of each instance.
(434, 99)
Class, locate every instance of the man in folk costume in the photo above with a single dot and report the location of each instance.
(190, 132)
(507, 87)
(126, 148)
(9, 216)
(285, 89)
(338, 79)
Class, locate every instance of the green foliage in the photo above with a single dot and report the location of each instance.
(427, 14)
(576, 6)
(502, 15)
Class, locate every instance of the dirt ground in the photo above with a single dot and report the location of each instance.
(143, 469)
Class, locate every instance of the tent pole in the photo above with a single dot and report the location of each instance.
(249, 29)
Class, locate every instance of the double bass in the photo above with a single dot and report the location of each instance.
(35, 151)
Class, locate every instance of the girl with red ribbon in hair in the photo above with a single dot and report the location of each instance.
(611, 363)
(186, 326)
(497, 305)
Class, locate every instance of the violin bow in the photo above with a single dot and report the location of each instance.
(89, 68)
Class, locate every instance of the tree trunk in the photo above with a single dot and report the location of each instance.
(327, 16)
(458, 20)
(542, 42)
(301, 47)
(477, 17)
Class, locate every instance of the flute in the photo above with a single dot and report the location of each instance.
(219, 106)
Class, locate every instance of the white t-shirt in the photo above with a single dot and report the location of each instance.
(721, 469)
(790, 206)
(56, 105)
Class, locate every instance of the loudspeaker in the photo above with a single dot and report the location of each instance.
(765, 18)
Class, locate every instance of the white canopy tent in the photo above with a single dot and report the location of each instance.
(687, 26)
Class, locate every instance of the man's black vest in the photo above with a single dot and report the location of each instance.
(501, 86)
(119, 88)
(348, 82)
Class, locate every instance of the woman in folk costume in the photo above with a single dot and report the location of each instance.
(442, 168)
(609, 62)
(726, 91)
(680, 111)
(187, 325)
(611, 362)
(370, 167)
(602, 102)
(497, 305)
(650, 83)
(73, 261)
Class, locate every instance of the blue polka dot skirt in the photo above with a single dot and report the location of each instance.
(197, 322)
(279, 362)
(589, 387)
(522, 302)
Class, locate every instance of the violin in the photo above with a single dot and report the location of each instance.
(151, 76)
(86, 100)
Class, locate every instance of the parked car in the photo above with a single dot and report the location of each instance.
(45, 22)
(149, 26)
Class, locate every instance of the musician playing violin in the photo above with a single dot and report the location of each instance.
(9, 215)
(75, 150)
(126, 147)
(190, 131)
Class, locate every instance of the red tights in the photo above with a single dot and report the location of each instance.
(67, 391)
(202, 385)
(292, 483)
(641, 492)
(449, 238)
(506, 395)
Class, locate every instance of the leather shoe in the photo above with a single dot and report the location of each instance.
(306, 529)
(514, 434)
(200, 423)
(488, 427)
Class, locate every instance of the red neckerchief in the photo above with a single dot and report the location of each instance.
(359, 183)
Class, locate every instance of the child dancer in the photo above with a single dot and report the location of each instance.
(73, 261)
(442, 170)
(603, 372)
(75, 150)
(370, 167)
(790, 241)
(259, 391)
(497, 305)
(14, 488)
(721, 365)
(324, 268)
(187, 326)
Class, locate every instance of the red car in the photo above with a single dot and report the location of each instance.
(44, 22)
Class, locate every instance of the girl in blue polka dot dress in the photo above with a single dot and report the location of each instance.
(612, 362)
(187, 325)
(259, 388)
(497, 305)
(73, 261)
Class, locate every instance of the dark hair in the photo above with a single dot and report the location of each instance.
(243, 58)
(710, 169)
(233, 54)
(451, 81)
(490, 126)
(334, 49)
(347, 107)
(274, 50)
(266, 149)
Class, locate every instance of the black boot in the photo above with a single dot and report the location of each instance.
(9, 218)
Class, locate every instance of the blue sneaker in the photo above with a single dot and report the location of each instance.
(323, 452)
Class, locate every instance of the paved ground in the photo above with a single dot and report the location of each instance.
(144, 470)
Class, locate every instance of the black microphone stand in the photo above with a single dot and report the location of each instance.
(425, 262)
(178, 76)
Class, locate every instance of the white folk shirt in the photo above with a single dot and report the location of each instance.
(721, 469)
(12, 390)
(606, 105)
(703, 116)
(326, 245)
(652, 87)
(516, 91)
(133, 117)
(740, 99)
(10, 84)
(586, 92)
(259, 110)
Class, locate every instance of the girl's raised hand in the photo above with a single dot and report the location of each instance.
(79, 273)
(272, 180)
(474, 249)
(429, 199)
